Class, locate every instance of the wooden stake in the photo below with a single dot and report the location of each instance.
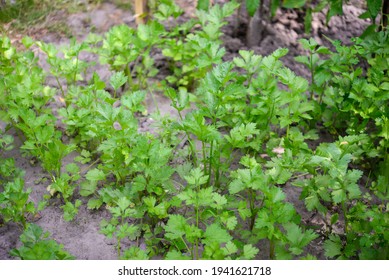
(140, 11)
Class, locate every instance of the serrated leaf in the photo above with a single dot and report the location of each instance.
(72, 168)
(94, 204)
(333, 246)
(176, 226)
(123, 203)
(302, 59)
(339, 195)
(118, 79)
(87, 188)
(129, 231)
(214, 233)
(236, 186)
(249, 252)
(184, 169)
(230, 248)
(150, 201)
(220, 200)
(298, 238)
(175, 255)
(95, 175)
(231, 222)
(205, 197)
(312, 202)
(196, 177)
(134, 253)
(108, 230)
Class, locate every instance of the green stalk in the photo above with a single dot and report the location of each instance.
(210, 164)
(217, 171)
(271, 115)
(252, 209)
(191, 145)
(272, 249)
(155, 102)
(197, 225)
(287, 129)
(75, 73)
(60, 87)
(129, 75)
(312, 72)
(204, 156)
(344, 210)
(186, 245)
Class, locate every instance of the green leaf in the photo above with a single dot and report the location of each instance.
(276, 195)
(108, 230)
(117, 80)
(252, 6)
(369, 31)
(27, 42)
(37, 246)
(203, 5)
(72, 168)
(196, 177)
(230, 248)
(94, 204)
(298, 238)
(134, 253)
(334, 218)
(336, 8)
(176, 227)
(150, 32)
(236, 186)
(374, 8)
(220, 200)
(184, 169)
(70, 210)
(308, 20)
(175, 255)
(134, 100)
(231, 222)
(8, 54)
(274, 5)
(249, 252)
(339, 195)
(385, 86)
(205, 197)
(87, 188)
(333, 246)
(95, 175)
(365, 15)
(123, 203)
(129, 231)
(214, 233)
(302, 59)
(293, 4)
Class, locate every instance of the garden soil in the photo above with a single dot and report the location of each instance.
(81, 237)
